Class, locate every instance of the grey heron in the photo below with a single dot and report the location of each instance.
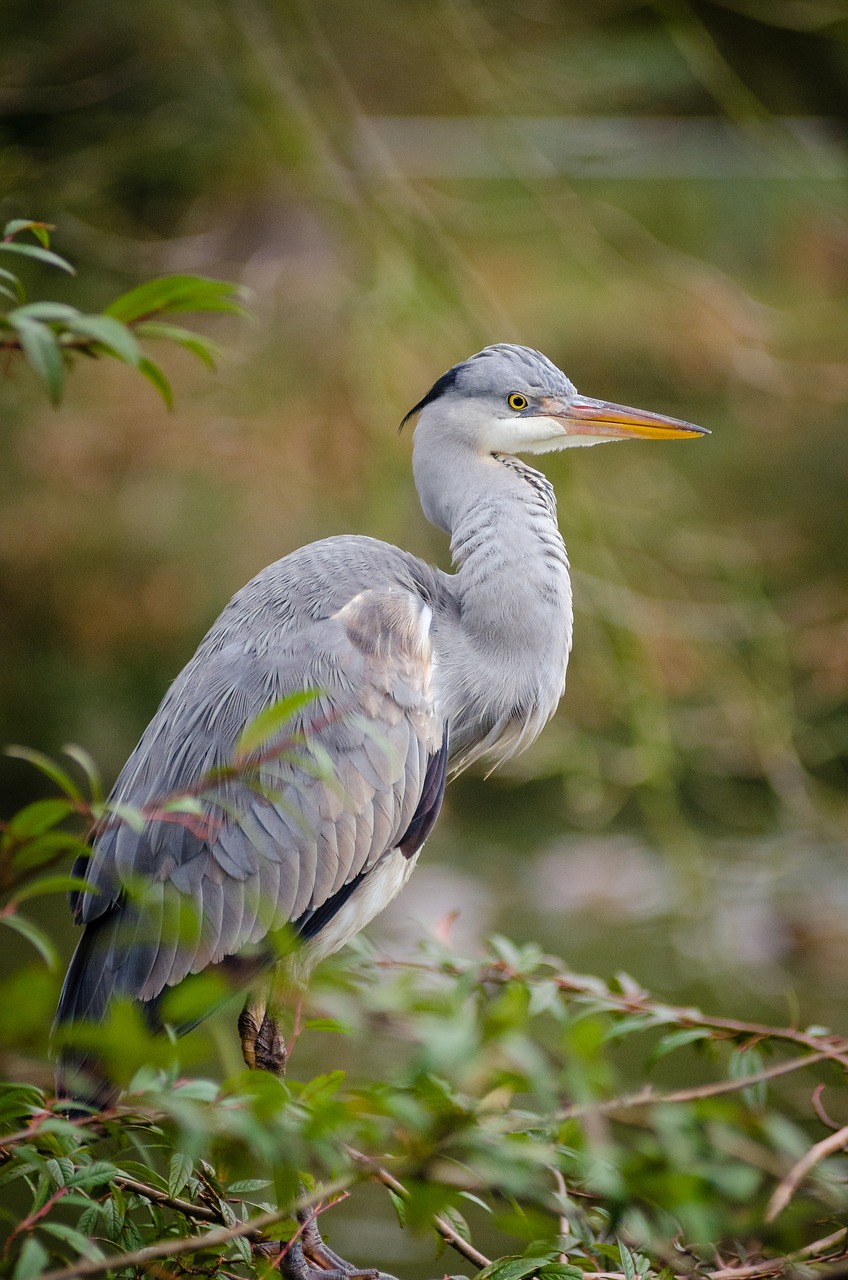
(420, 673)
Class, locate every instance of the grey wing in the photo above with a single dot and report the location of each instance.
(186, 892)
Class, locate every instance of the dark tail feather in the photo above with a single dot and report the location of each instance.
(89, 985)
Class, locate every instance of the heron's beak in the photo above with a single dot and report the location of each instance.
(581, 416)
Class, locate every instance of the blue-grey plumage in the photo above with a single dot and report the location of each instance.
(418, 670)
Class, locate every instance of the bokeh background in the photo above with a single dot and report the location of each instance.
(653, 195)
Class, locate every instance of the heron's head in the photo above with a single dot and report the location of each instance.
(509, 399)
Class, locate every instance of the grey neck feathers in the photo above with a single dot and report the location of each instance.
(504, 668)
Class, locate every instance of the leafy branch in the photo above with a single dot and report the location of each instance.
(49, 334)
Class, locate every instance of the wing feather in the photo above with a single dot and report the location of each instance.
(300, 850)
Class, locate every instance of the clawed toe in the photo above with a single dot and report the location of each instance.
(308, 1258)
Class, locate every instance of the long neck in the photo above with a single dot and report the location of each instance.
(502, 655)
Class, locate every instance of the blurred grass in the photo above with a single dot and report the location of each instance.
(706, 716)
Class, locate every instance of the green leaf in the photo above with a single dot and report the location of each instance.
(109, 333)
(86, 762)
(87, 1248)
(36, 936)
(92, 1175)
(39, 253)
(204, 348)
(628, 1265)
(175, 293)
(270, 721)
(19, 291)
(38, 817)
(560, 1271)
(154, 375)
(247, 1185)
(676, 1039)
(51, 884)
(32, 1260)
(51, 312)
(41, 230)
(512, 1268)
(42, 352)
(180, 1168)
(48, 767)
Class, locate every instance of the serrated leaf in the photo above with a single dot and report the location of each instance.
(175, 293)
(270, 721)
(151, 371)
(40, 254)
(247, 1185)
(93, 1175)
(204, 348)
(109, 333)
(180, 1169)
(41, 349)
(34, 935)
(242, 1248)
(32, 1260)
(399, 1206)
(628, 1266)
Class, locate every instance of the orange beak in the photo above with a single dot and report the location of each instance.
(584, 417)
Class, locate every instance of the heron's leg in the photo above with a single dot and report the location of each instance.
(262, 1045)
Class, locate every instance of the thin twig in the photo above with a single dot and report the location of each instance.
(787, 1188)
(648, 1098)
(448, 1233)
(185, 1207)
(169, 1248)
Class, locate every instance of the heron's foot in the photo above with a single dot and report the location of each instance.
(309, 1258)
(262, 1045)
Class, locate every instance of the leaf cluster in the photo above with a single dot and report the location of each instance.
(488, 1095)
(48, 335)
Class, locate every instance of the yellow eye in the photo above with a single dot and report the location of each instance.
(517, 401)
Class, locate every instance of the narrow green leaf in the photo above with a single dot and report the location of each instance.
(39, 253)
(109, 333)
(676, 1039)
(86, 762)
(154, 374)
(204, 348)
(36, 936)
(175, 293)
(32, 1260)
(38, 817)
(42, 351)
(87, 1248)
(41, 230)
(270, 721)
(48, 767)
(51, 312)
(51, 884)
(14, 282)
